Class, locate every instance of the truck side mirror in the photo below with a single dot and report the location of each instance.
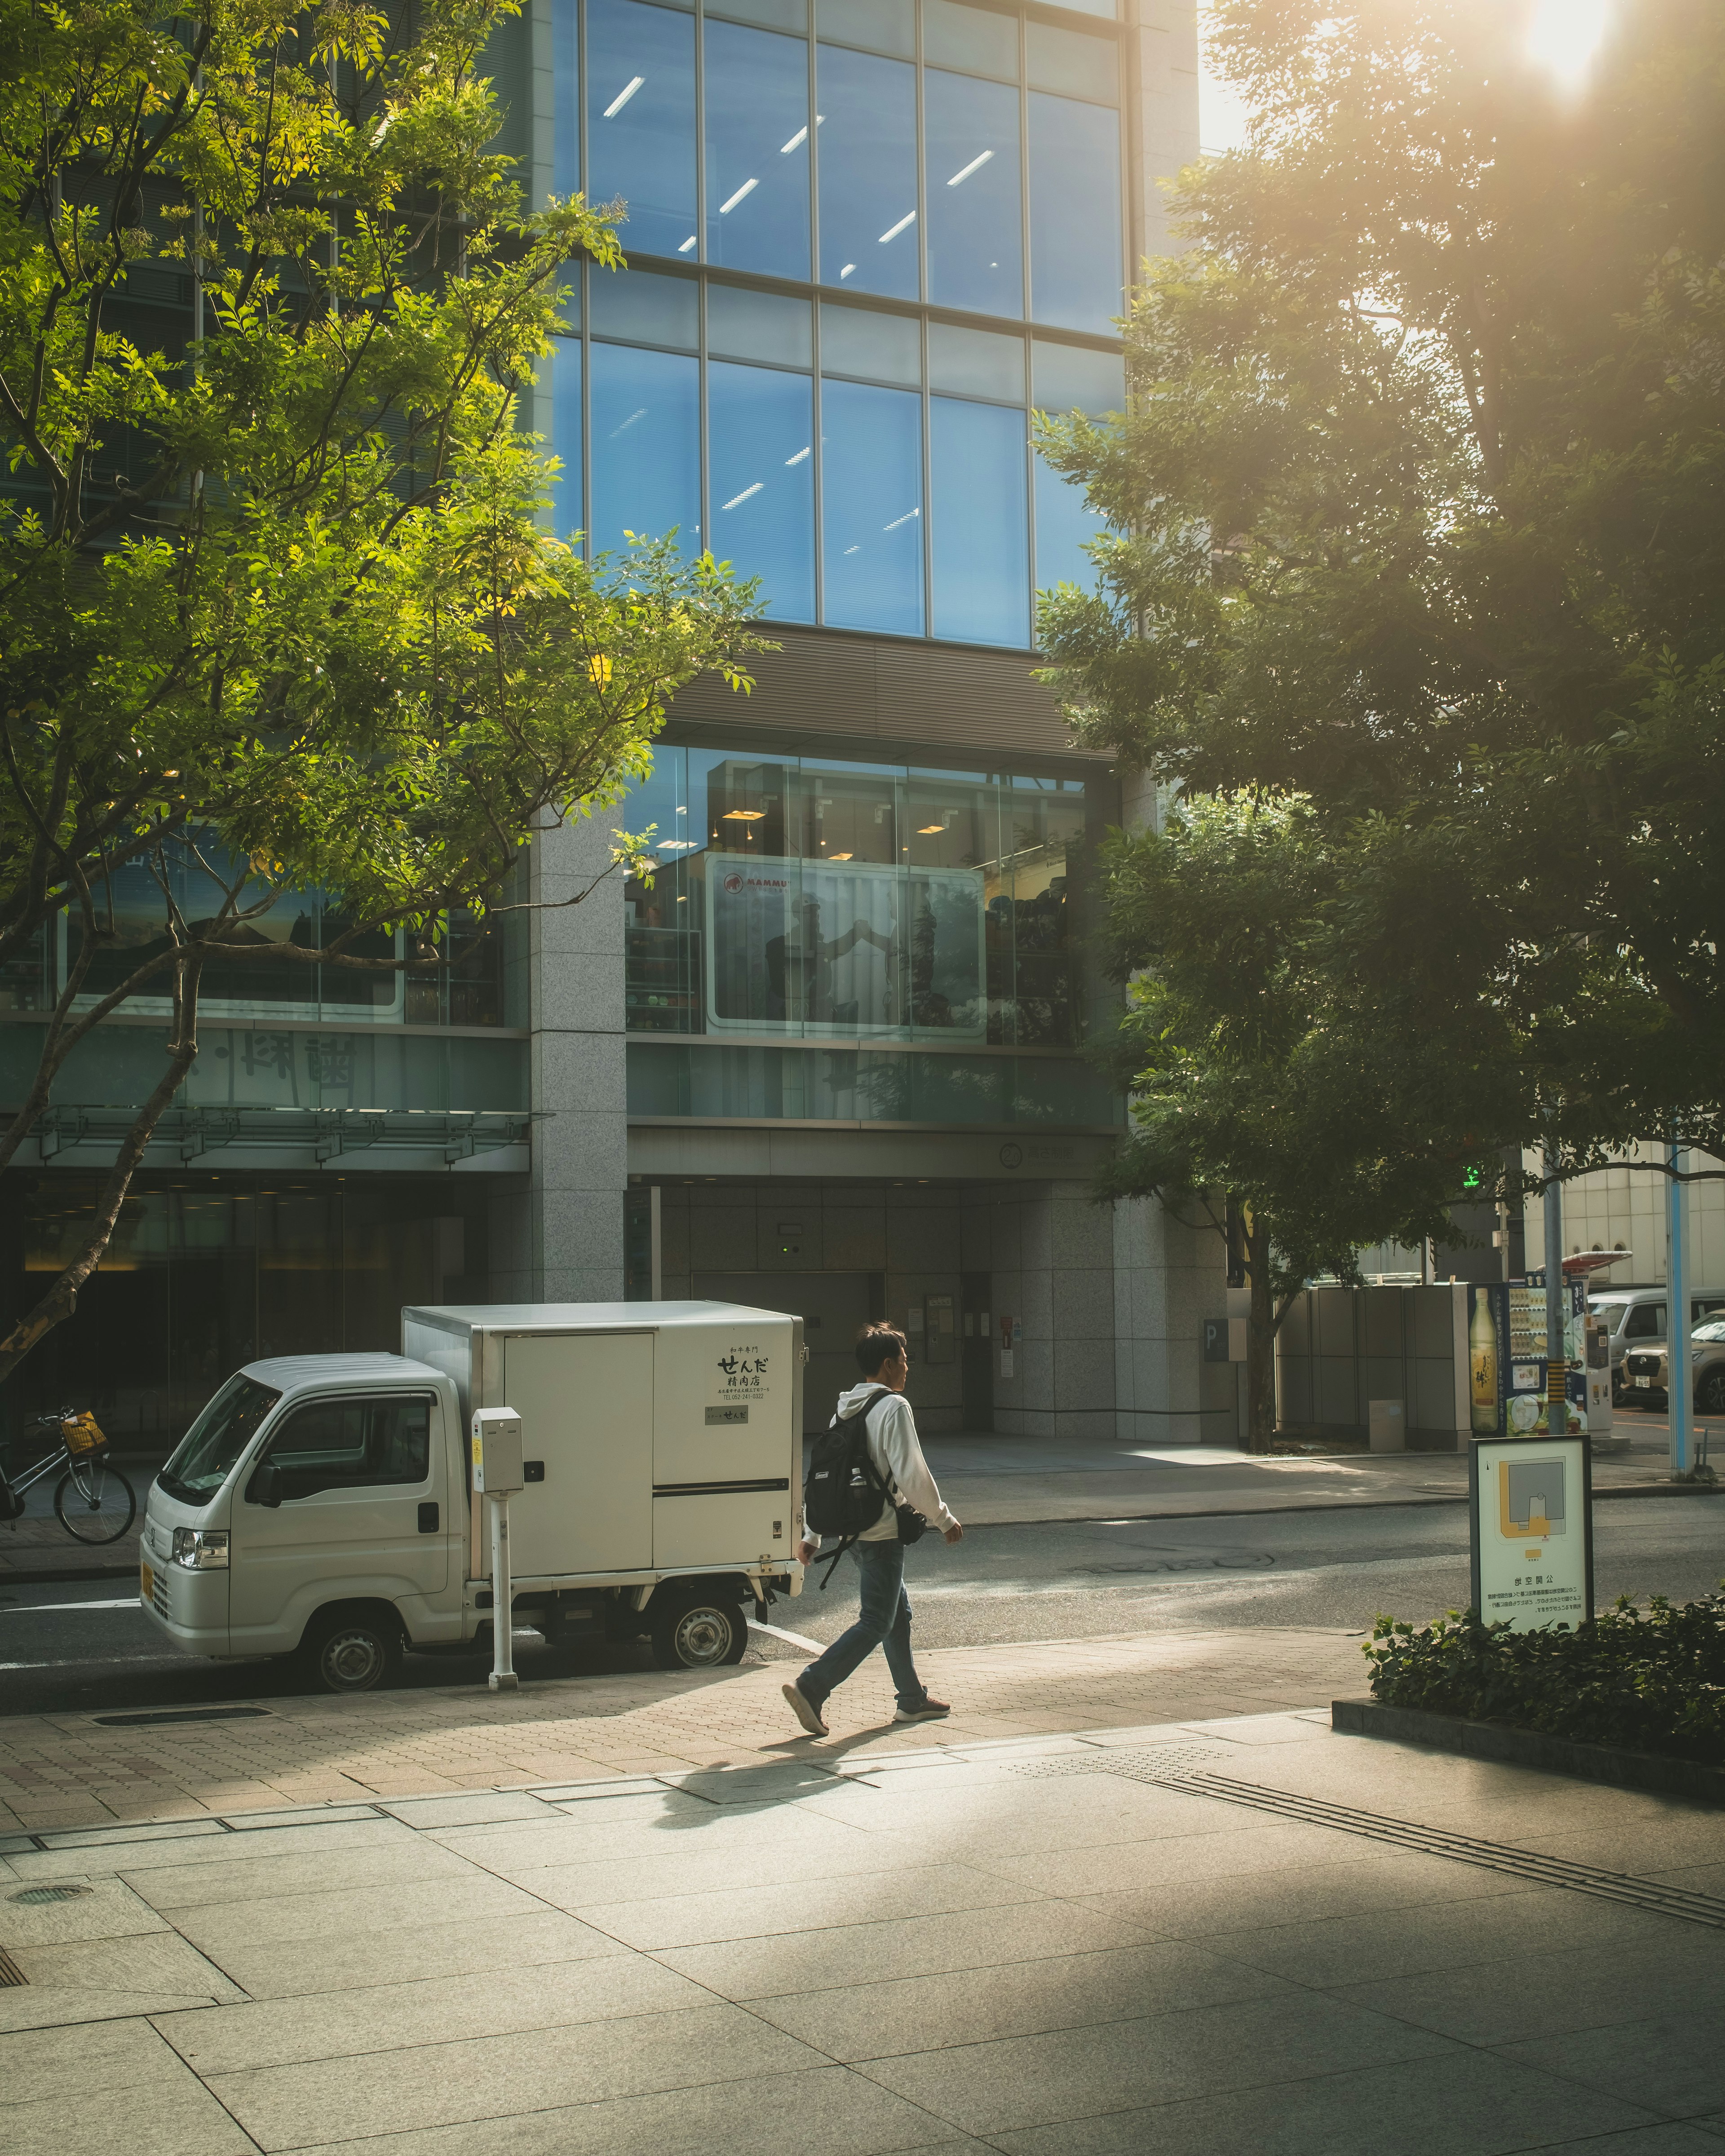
(265, 1487)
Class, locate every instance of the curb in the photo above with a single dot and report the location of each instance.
(1527, 1747)
(69, 1577)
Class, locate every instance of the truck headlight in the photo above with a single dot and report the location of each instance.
(201, 1549)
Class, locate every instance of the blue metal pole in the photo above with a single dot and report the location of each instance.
(1556, 1313)
(1677, 1363)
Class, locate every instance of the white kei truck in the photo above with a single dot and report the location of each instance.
(323, 1505)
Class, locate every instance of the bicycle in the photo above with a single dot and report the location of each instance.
(92, 1501)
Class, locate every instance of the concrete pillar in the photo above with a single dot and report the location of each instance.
(1163, 117)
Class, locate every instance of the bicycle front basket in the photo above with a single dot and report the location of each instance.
(83, 1432)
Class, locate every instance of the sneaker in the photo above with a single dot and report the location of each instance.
(806, 1712)
(931, 1710)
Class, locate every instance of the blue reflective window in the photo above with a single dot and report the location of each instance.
(757, 151)
(761, 437)
(557, 403)
(566, 99)
(640, 121)
(1063, 525)
(1076, 253)
(867, 144)
(646, 445)
(975, 235)
(871, 507)
(981, 563)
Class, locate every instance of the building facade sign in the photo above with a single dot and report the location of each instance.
(1531, 1530)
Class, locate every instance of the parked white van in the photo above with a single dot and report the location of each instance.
(322, 1505)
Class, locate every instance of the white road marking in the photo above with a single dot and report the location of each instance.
(36, 1608)
(795, 1638)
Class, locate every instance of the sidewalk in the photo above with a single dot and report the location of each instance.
(77, 1770)
(1159, 1941)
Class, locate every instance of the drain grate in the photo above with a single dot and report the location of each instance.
(34, 1897)
(182, 1714)
(10, 1972)
(1177, 1767)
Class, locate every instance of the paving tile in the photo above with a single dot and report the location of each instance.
(829, 2110)
(1260, 1901)
(146, 1961)
(1407, 1942)
(178, 2117)
(133, 1858)
(1674, 2064)
(771, 1911)
(434, 2011)
(491, 2076)
(1671, 2139)
(993, 2088)
(683, 1828)
(1519, 1997)
(1230, 1847)
(62, 2006)
(483, 1808)
(38, 2065)
(308, 1871)
(355, 1913)
(797, 1865)
(1029, 1816)
(803, 1962)
(969, 2006)
(1458, 2105)
(109, 1911)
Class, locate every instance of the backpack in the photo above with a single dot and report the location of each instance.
(845, 1491)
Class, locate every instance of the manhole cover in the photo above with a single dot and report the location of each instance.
(33, 1897)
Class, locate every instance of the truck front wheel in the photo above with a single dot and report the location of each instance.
(353, 1653)
(698, 1632)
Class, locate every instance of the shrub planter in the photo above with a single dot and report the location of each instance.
(1530, 1747)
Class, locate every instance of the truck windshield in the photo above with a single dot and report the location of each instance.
(204, 1457)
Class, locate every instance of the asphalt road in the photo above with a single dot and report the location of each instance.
(90, 1648)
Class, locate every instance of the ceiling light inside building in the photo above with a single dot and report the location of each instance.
(623, 96)
(748, 187)
(975, 165)
(743, 815)
(894, 231)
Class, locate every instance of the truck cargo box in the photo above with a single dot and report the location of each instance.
(658, 1437)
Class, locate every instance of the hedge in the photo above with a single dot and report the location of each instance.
(1649, 1680)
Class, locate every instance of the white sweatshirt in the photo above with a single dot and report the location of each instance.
(896, 1453)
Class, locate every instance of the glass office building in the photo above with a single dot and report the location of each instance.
(832, 1056)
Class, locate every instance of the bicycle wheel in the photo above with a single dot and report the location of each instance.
(93, 1502)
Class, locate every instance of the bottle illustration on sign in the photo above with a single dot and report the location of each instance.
(1482, 1362)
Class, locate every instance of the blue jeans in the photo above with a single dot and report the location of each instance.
(884, 1620)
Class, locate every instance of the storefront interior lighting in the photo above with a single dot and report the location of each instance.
(743, 815)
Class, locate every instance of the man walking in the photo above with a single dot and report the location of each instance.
(884, 1619)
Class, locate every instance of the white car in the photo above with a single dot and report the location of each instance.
(1645, 1375)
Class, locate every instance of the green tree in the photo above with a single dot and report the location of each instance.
(279, 606)
(1420, 578)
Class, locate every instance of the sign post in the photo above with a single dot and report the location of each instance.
(1531, 1530)
(496, 1474)
(1677, 1367)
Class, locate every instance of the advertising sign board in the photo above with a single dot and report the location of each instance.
(1531, 1522)
(1506, 1358)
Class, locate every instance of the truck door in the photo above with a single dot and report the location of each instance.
(586, 1404)
(364, 1497)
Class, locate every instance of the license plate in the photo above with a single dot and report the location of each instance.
(1640, 1381)
(146, 1583)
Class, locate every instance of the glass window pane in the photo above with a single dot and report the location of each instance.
(646, 308)
(759, 325)
(770, 14)
(981, 571)
(871, 494)
(646, 445)
(757, 151)
(557, 410)
(1063, 525)
(1066, 377)
(975, 245)
(640, 120)
(1105, 8)
(566, 99)
(868, 172)
(878, 26)
(976, 362)
(761, 427)
(885, 348)
(1068, 60)
(973, 38)
(1075, 266)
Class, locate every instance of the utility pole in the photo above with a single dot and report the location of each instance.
(1557, 1317)
(1677, 1330)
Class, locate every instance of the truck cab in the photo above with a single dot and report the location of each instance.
(310, 1505)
